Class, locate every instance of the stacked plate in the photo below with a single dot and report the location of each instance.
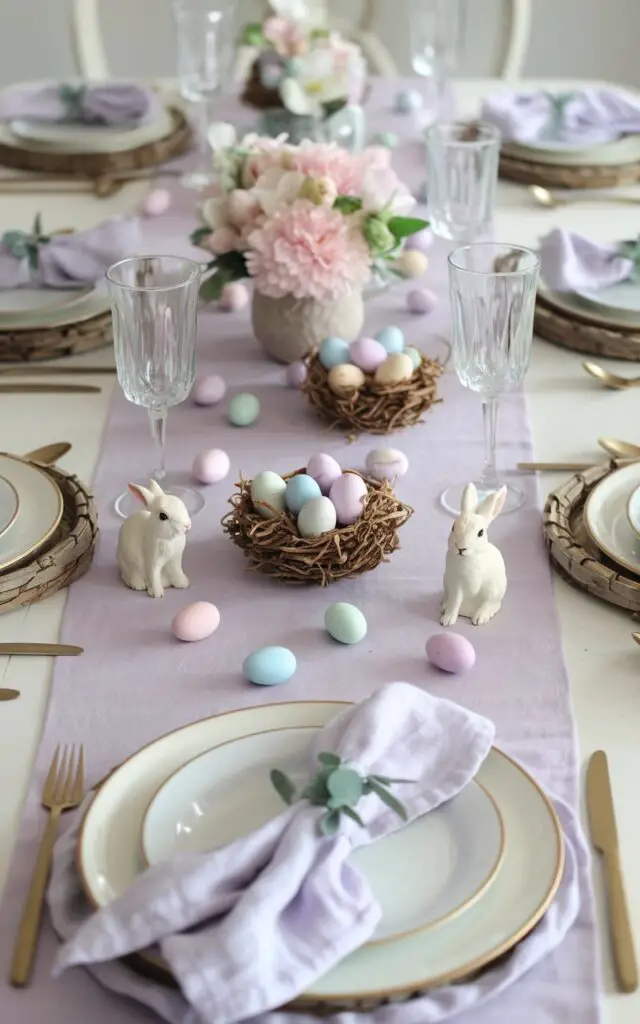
(29, 309)
(616, 306)
(612, 517)
(458, 888)
(625, 150)
(31, 508)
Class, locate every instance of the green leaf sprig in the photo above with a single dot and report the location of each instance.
(631, 251)
(339, 789)
(73, 97)
(26, 245)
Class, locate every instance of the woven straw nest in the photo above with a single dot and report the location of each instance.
(375, 408)
(274, 546)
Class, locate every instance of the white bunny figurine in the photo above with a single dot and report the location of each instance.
(151, 542)
(475, 578)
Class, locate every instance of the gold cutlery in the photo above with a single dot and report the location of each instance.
(35, 370)
(49, 389)
(103, 187)
(636, 637)
(620, 449)
(63, 790)
(44, 650)
(544, 197)
(8, 694)
(611, 380)
(553, 467)
(49, 454)
(604, 836)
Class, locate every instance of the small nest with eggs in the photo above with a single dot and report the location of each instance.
(374, 408)
(274, 546)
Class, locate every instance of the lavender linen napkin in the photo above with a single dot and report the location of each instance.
(107, 103)
(580, 118)
(569, 262)
(66, 261)
(277, 909)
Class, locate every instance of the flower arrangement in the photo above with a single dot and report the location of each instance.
(310, 221)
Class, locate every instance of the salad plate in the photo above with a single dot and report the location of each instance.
(39, 514)
(606, 517)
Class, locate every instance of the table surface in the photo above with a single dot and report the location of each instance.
(568, 413)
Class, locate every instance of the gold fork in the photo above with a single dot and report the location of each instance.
(63, 790)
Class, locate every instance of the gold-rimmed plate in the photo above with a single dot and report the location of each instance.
(606, 517)
(9, 505)
(48, 308)
(108, 860)
(40, 511)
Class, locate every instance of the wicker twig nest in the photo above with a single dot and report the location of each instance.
(274, 546)
(375, 408)
(33, 344)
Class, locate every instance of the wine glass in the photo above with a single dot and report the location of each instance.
(204, 43)
(462, 174)
(154, 310)
(436, 30)
(493, 292)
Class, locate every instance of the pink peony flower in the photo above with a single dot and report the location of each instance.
(223, 240)
(308, 251)
(320, 160)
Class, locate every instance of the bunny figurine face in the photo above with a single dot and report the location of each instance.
(170, 517)
(469, 533)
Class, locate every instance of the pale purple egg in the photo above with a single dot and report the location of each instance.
(367, 353)
(324, 469)
(209, 390)
(296, 374)
(196, 622)
(234, 297)
(451, 652)
(155, 203)
(422, 300)
(386, 463)
(347, 494)
(211, 466)
(421, 241)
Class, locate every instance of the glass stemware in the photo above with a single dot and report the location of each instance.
(462, 174)
(436, 30)
(493, 291)
(154, 310)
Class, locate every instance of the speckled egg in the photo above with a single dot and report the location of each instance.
(324, 469)
(414, 356)
(451, 652)
(243, 410)
(196, 622)
(209, 390)
(391, 339)
(394, 369)
(332, 352)
(386, 463)
(347, 494)
(411, 263)
(422, 300)
(345, 623)
(268, 488)
(234, 297)
(296, 374)
(408, 101)
(421, 241)
(269, 666)
(300, 489)
(367, 353)
(345, 379)
(155, 203)
(211, 466)
(318, 516)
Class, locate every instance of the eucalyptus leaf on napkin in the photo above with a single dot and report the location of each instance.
(583, 117)
(103, 103)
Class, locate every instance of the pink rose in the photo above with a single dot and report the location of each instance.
(242, 208)
(223, 240)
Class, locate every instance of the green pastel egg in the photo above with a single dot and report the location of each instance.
(243, 410)
(388, 139)
(414, 356)
(345, 623)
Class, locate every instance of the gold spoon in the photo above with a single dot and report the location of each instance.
(36, 370)
(611, 380)
(9, 694)
(49, 454)
(619, 449)
(636, 637)
(543, 197)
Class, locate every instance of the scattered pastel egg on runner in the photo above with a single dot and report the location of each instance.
(318, 516)
(196, 622)
(414, 356)
(268, 488)
(324, 469)
(301, 488)
(296, 374)
(421, 241)
(243, 410)
(451, 652)
(408, 101)
(386, 463)
(345, 378)
(395, 369)
(234, 296)
(345, 623)
(209, 390)
(211, 466)
(422, 300)
(332, 352)
(412, 263)
(387, 139)
(391, 339)
(367, 354)
(269, 666)
(348, 494)
(155, 203)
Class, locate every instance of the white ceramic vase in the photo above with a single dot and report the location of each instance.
(288, 328)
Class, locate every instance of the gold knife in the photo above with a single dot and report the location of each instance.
(48, 389)
(553, 467)
(46, 650)
(37, 370)
(604, 836)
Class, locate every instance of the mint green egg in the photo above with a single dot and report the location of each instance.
(243, 410)
(414, 356)
(345, 623)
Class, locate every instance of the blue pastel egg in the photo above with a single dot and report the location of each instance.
(301, 489)
(391, 339)
(408, 101)
(269, 666)
(333, 352)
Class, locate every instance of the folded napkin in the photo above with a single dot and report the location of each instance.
(66, 261)
(580, 118)
(107, 103)
(277, 909)
(569, 262)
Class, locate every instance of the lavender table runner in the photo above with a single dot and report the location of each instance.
(135, 682)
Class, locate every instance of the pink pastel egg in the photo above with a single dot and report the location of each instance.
(234, 297)
(367, 353)
(155, 203)
(196, 622)
(421, 241)
(451, 652)
(347, 495)
(211, 466)
(324, 469)
(296, 374)
(422, 300)
(209, 390)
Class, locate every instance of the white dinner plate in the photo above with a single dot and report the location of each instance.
(622, 300)
(633, 510)
(625, 150)
(68, 308)
(448, 857)
(575, 305)
(39, 514)
(606, 519)
(9, 505)
(22, 135)
(109, 859)
(23, 303)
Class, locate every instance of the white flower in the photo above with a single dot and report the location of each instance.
(214, 213)
(305, 12)
(317, 82)
(222, 135)
(277, 188)
(383, 190)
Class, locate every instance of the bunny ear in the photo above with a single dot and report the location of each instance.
(155, 488)
(492, 505)
(141, 493)
(469, 500)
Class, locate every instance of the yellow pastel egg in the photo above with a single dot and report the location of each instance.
(345, 378)
(412, 263)
(394, 369)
